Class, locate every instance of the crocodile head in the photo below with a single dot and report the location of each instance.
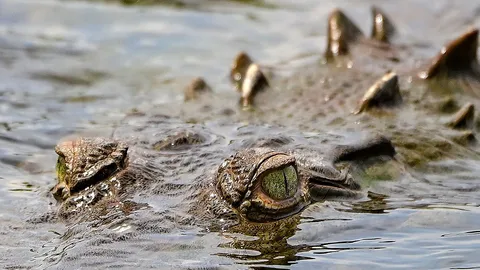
(87, 161)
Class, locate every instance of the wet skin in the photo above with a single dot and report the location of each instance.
(258, 184)
(372, 84)
(265, 184)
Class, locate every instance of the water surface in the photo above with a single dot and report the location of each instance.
(73, 67)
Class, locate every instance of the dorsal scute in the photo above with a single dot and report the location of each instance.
(464, 118)
(382, 27)
(341, 32)
(385, 92)
(459, 56)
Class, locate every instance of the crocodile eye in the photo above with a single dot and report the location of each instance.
(281, 183)
(61, 169)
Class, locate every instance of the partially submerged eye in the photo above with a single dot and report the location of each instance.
(61, 169)
(280, 184)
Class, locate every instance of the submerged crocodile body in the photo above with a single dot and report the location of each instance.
(366, 84)
(271, 177)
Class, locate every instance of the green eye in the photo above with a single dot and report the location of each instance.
(281, 184)
(61, 169)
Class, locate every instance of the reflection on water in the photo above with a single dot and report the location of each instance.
(73, 67)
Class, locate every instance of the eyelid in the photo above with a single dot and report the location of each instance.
(265, 165)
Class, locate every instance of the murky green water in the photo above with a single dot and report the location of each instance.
(69, 67)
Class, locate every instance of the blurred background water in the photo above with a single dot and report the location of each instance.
(77, 67)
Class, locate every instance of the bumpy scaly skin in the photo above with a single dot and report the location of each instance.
(85, 162)
(399, 102)
(239, 183)
(239, 188)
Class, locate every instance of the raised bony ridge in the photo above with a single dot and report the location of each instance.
(458, 56)
(382, 28)
(341, 31)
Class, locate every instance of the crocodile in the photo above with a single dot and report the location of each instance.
(265, 181)
(405, 101)
(272, 178)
